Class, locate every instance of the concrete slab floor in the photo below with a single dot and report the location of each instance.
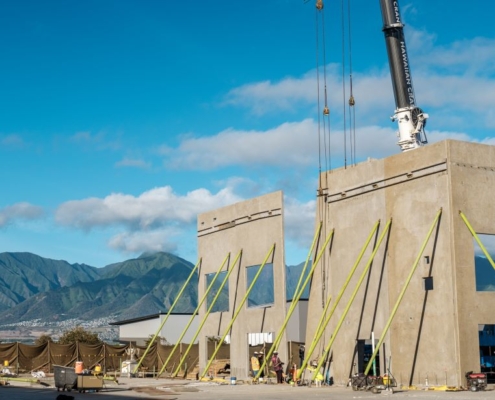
(187, 390)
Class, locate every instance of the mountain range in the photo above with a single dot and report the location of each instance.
(33, 287)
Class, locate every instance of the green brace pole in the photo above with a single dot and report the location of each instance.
(168, 314)
(278, 339)
(296, 298)
(219, 291)
(315, 238)
(193, 316)
(293, 303)
(401, 295)
(299, 293)
(321, 328)
(476, 237)
(320, 324)
(351, 300)
(236, 314)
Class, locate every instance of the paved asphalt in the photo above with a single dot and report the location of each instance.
(164, 389)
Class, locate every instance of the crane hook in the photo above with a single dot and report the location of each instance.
(326, 110)
(351, 100)
(319, 5)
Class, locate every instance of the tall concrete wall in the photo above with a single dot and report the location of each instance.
(473, 186)
(435, 332)
(252, 226)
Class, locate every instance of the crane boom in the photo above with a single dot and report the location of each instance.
(410, 117)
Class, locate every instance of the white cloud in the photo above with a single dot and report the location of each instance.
(152, 208)
(19, 211)
(294, 145)
(299, 221)
(488, 242)
(153, 221)
(455, 93)
(456, 81)
(438, 136)
(469, 57)
(231, 147)
(157, 220)
(454, 85)
(245, 187)
(263, 97)
(142, 241)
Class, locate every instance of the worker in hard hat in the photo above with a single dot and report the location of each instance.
(278, 367)
(317, 375)
(255, 364)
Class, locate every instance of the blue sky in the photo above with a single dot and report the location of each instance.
(121, 120)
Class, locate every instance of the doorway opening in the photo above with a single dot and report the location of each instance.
(487, 350)
(364, 353)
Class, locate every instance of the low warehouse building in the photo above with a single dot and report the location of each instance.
(139, 330)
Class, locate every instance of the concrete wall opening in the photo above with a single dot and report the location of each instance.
(486, 334)
(364, 350)
(221, 362)
(259, 343)
(262, 294)
(222, 303)
(484, 272)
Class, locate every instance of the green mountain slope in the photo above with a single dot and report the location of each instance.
(132, 288)
(23, 275)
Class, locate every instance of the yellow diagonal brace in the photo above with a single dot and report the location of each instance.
(277, 340)
(193, 316)
(168, 314)
(239, 309)
(219, 291)
(311, 250)
(403, 291)
(476, 237)
(351, 300)
(298, 294)
(319, 327)
(322, 326)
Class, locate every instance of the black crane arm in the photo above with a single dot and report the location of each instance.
(411, 118)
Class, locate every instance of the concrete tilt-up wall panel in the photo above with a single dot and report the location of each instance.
(252, 226)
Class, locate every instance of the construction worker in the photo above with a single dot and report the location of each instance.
(277, 366)
(255, 364)
(317, 375)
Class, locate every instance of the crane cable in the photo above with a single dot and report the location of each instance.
(326, 137)
(342, 17)
(318, 101)
(352, 101)
(326, 118)
(326, 115)
(326, 109)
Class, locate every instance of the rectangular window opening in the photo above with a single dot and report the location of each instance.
(484, 272)
(262, 293)
(222, 301)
